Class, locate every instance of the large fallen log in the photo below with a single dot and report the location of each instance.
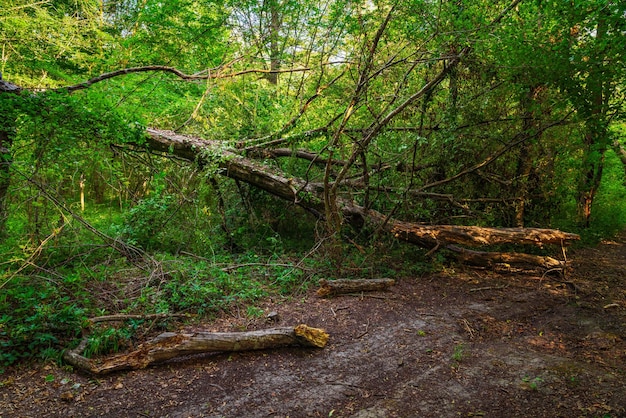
(473, 236)
(479, 236)
(169, 345)
(342, 286)
(310, 196)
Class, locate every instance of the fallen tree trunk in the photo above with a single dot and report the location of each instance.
(170, 345)
(440, 235)
(335, 287)
(479, 236)
(310, 196)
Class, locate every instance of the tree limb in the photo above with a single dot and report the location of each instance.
(215, 74)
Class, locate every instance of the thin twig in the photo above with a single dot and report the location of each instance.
(365, 332)
(35, 254)
(125, 317)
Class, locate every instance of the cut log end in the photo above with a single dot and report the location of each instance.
(314, 336)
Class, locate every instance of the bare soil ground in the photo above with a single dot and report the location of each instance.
(460, 343)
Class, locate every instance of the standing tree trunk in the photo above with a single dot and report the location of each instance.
(274, 42)
(596, 139)
(621, 153)
(5, 177)
(6, 142)
(592, 174)
(527, 158)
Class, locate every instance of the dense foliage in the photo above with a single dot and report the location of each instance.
(523, 127)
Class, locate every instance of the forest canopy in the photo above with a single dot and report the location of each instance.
(357, 117)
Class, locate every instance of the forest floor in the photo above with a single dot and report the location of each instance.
(461, 343)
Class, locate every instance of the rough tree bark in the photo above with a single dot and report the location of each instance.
(170, 345)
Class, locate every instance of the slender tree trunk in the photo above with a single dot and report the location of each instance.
(592, 175)
(5, 178)
(274, 42)
(621, 153)
(6, 142)
(526, 156)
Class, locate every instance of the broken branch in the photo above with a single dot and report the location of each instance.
(335, 287)
(169, 345)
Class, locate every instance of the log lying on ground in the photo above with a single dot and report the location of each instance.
(472, 236)
(335, 287)
(169, 345)
(478, 236)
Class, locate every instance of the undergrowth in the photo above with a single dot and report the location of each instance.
(207, 263)
(43, 315)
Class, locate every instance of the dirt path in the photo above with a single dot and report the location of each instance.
(463, 343)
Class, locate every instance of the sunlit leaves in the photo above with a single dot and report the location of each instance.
(187, 34)
(46, 43)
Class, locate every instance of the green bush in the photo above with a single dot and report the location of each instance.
(146, 221)
(38, 320)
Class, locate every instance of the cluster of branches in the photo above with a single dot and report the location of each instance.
(346, 178)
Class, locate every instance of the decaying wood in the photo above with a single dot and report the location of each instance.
(480, 236)
(490, 259)
(335, 287)
(126, 317)
(169, 345)
(473, 236)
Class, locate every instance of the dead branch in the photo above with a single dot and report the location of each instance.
(335, 287)
(429, 236)
(288, 152)
(126, 317)
(210, 74)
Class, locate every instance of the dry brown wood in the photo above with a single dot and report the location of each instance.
(335, 287)
(169, 345)
(432, 235)
(126, 317)
(490, 259)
